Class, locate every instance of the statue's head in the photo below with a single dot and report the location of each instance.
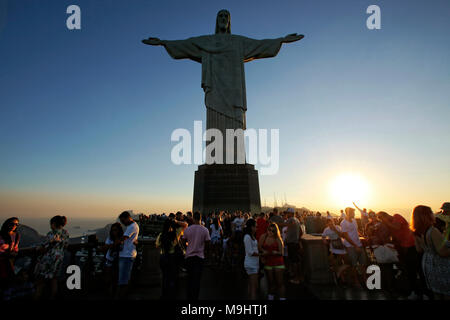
(223, 21)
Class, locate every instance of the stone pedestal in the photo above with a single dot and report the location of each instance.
(315, 260)
(227, 187)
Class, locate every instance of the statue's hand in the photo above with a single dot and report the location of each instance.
(152, 41)
(293, 37)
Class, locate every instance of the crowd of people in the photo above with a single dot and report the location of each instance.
(120, 253)
(414, 258)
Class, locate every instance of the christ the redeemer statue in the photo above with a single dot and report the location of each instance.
(222, 56)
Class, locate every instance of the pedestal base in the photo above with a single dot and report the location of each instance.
(228, 187)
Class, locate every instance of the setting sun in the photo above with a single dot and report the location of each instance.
(348, 187)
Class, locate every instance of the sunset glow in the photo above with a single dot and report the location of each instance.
(349, 187)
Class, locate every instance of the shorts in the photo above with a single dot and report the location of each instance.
(252, 270)
(280, 267)
(355, 257)
(125, 267)
(293, 252)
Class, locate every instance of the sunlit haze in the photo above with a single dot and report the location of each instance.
(347, 188)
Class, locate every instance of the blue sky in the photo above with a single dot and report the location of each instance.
(86, 115)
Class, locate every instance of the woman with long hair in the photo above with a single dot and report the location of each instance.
(271, 249)
(9, 247)
(48, 266)
(113, 245)
(436, 256)
(167, 241)
(216, 240)
(251, 261)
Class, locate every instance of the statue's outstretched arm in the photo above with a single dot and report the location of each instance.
(292, 37)
(153, 41)
(178, 49)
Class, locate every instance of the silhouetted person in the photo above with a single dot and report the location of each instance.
(197, 237)
(128, 253)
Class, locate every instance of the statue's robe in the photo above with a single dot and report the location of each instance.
(223, 78)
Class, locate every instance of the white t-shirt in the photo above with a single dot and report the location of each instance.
(215, 233)
(328, 233)
(129, 249)
(251, 247)
(196, 236)
(110, 255)
(238, 223)
(352, 230)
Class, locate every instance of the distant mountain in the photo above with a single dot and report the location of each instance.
(29, 237)
(103, 233)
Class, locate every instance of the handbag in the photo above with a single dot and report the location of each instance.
(386, 254)
(337, 244)
(438, 262)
